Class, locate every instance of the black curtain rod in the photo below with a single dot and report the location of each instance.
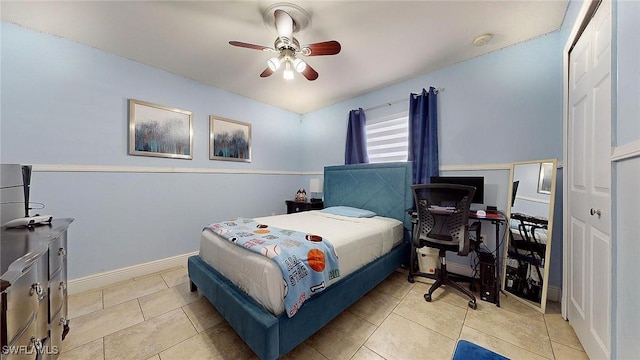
(396, 101)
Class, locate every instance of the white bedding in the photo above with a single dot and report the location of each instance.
(357, 242)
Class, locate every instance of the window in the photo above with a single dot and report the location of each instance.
(388, 138)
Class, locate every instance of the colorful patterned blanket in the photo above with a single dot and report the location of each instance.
(307, 261)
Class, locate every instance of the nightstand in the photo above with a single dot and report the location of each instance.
(298, 206)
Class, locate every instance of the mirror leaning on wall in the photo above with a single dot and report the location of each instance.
(530, 215)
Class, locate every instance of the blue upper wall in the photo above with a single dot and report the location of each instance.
(498, 108)
(65, 103)
(628, 53)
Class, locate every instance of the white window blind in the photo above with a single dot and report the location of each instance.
(388, 138)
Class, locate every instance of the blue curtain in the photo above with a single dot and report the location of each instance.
(356, 148)
(423, 135)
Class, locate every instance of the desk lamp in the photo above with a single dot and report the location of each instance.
(315, 187)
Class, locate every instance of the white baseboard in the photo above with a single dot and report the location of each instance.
(554, 293)
(105, 279)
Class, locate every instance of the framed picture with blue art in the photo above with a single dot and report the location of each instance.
(160, 131)
(229, 140)
(544, 180)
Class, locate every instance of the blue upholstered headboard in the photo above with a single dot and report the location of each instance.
(382, 188)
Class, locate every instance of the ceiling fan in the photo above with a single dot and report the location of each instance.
(289, 18)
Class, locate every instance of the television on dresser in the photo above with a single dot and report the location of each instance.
(475, 181)
(15, 180)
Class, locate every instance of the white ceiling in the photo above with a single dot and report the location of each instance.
(383, 42)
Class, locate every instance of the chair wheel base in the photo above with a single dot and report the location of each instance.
(427, 297)
(473, 304)
(411, 279)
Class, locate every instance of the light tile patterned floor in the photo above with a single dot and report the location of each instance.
(156, 317)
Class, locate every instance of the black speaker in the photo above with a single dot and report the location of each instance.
(26, 184)
(488, 291)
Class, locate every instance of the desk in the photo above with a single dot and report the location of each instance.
(496, 219)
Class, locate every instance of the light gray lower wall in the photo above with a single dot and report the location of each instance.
(626, 266)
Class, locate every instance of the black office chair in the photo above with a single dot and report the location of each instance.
(443, 223)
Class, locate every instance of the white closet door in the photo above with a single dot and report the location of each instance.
(589, 184)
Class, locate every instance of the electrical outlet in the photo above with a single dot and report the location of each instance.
(273, 214)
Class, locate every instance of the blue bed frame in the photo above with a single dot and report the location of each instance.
(382, 188)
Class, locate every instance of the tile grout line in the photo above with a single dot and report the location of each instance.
(401, 299)
(374, 331)
(546, 326)
(377, 326)
(104, 353)
(181, 308)
(187, 339)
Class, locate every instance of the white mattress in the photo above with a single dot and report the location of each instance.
(357, 242)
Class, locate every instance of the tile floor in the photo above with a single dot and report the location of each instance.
(155, 317)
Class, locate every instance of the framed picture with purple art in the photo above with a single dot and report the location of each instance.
(229, 140)
(160, 131)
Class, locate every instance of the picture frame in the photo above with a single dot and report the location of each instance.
(229, 140)
(544, 181)
(160, 131)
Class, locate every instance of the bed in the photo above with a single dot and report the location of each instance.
(526, 255)
(529, 234)
(382, 188)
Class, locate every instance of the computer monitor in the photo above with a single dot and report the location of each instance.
(475, 181)
(514, 192)
(14, 197)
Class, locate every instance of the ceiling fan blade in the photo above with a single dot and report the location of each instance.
(284, 24)
(322, 48)
(310, 73)
(266, 73)
(250, 46)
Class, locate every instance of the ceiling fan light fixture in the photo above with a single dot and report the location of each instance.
(306, 51)
(287, 74)
(289, 19)
(299, 65)
(274, 63)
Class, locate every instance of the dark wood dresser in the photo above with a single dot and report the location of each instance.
(33, 279)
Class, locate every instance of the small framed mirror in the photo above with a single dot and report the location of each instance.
(527, 252)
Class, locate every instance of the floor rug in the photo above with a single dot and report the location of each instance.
(469, 351)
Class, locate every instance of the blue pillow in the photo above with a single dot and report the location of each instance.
(349, 211)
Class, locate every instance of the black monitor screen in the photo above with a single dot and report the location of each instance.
(475, 181)
(514, 192)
